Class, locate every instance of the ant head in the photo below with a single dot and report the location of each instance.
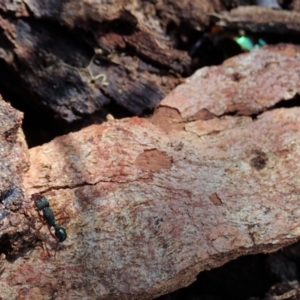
(40, 201)
(60, 233)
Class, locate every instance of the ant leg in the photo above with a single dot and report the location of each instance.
(46, 249)
(43, 244)
(51, 233)
(62, 211)
(57, 242)
(63, 218)
(56, 248)
(42, 220)
(41, 227)
(49, 228)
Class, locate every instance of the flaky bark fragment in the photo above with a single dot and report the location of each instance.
(13, 163)
(194, 13)
(148, 210)
(13, 152)
(260, 19)
(246, 84)
(146, 207)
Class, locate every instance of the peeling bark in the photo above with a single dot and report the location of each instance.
(147, 207)
(246, 84)
(156, 208)
(261, 19)
(13, 163)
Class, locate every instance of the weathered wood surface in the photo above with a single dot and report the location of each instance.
(13, 163)
(246, 84)
(73, 58)
(76, 58)
(150, 207)
(146, 217)
(261, 19)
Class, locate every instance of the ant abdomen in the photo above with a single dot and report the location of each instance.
(60, 233)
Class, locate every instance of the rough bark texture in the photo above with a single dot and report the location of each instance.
(261, 19)
(246, 84)
(149, 207)
(13, 163)
(74, 57)
(146, 217)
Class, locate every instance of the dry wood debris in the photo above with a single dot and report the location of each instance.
(75, 57)
(149, 207)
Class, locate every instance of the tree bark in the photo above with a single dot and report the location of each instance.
(147, 207)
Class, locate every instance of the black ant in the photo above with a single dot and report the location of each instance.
(42, 204)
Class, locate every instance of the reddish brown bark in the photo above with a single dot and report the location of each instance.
(149, 207)
(155, 213)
